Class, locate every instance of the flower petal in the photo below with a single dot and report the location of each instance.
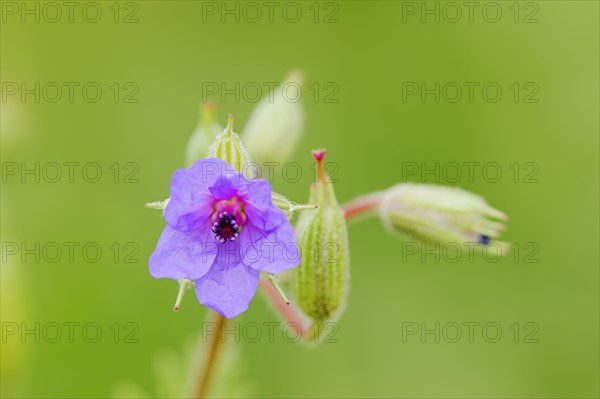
(183, 254)
(189, 215)
(228, 186)
(259, 206)
(227, 289)
(191, 202)
(273, 251)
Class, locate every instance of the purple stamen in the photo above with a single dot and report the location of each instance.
(225, 228)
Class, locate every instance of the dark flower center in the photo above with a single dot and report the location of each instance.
(225, 228)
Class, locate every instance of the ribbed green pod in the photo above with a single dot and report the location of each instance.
(441, 215)
(323, 277)
(228, 147)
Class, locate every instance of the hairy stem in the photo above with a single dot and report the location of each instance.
(213, 346)
(361, 205)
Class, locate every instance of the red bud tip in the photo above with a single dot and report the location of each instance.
(319, 154)
(176, 308)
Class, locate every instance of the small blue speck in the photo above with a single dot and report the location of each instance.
(484, 240)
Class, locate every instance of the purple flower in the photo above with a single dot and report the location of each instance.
(222, 230)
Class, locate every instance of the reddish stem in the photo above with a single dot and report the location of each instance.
(289, 314)
(361, 205)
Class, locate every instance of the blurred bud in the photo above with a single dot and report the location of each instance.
(228, 147)
(205, 133)
(275, 125)
(322, 279)
(438, 214)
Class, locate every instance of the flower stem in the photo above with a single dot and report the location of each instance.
(362, 205)
(213, 350)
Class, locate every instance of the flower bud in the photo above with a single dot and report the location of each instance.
(228, 147)
(275, 125)
(323, 276)
(438, 214)
(205, 133)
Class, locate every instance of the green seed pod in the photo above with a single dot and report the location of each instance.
(440, 215)
(275, 125)
(323, 277)
(228, 147)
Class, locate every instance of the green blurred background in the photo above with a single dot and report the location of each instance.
(369, 133)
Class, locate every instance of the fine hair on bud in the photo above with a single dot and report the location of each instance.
(322, 279)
